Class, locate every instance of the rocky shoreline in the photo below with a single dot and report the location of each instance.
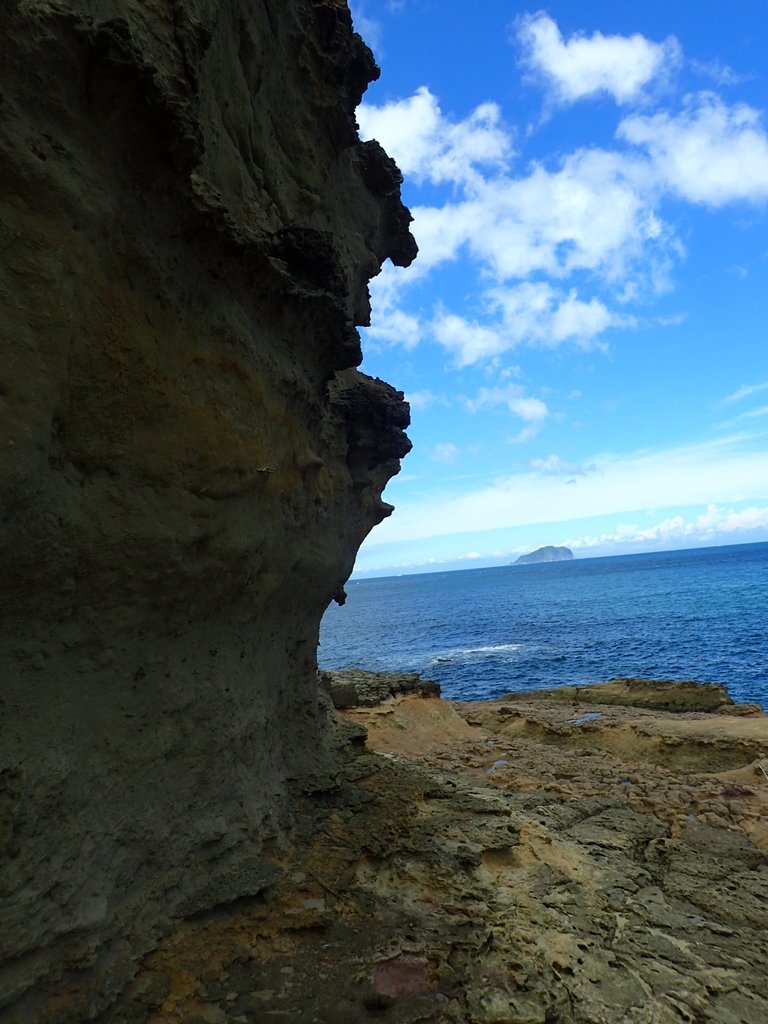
(190, 832)
(542, 859)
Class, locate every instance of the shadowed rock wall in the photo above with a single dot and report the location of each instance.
(188, 461)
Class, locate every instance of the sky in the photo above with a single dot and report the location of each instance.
(583, 338)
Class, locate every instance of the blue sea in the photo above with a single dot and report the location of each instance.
(694, 614)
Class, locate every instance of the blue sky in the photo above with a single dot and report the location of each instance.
(583, 338)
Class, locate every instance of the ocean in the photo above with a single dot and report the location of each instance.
(694, 614)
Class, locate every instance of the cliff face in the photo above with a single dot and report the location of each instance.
(188, 462)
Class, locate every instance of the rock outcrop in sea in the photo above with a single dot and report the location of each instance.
(550, 553)
(189, 458)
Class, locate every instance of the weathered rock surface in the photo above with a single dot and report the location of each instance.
(352, 687)
(189, 460)
(657, 694)
(468, 869)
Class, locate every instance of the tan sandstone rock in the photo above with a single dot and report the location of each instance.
(465, 873)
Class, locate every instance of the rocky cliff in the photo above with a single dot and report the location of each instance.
(189, 460)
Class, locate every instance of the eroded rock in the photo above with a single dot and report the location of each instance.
(657, 694)
(575, 885)
(189, 460)
(353, 687)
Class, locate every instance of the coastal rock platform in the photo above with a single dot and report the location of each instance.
(526, 861)
(192, 831)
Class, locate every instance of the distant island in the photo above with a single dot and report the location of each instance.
(547, 554)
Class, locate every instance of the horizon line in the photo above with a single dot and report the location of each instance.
(383, 574)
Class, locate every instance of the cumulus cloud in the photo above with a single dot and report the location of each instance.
(532, 313)
(752, 518)
(468, 342)
(537, 313)
(531, 410)
(513, 396)
(421, 399)
(426, 145)
(396, 327)
(710, 153)
(390, 323)
(715, 524)
(595, 212)
(586, 66)
(559, 253)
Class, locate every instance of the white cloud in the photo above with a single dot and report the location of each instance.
(445, 452)
(585, 66)
(468, 342)
(514, 398)
(532, 313)
(720, 472)
(713, 525)
(556, 466)
(752, 518)
(586, 215)
(718, 525)
(595, 212)
(710, 153)
(751, 414)
(532, 411)
(672, 320)
(506, 372)
(427, 146)
(717, 72)
(537, 314)
(556, 252)
(421, 399)
(745, 391)
(581, 321)
(391, 324)
(526, 434)
(442, 231)
(396, 327)
(369, 28)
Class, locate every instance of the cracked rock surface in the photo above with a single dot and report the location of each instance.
(469, 870)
